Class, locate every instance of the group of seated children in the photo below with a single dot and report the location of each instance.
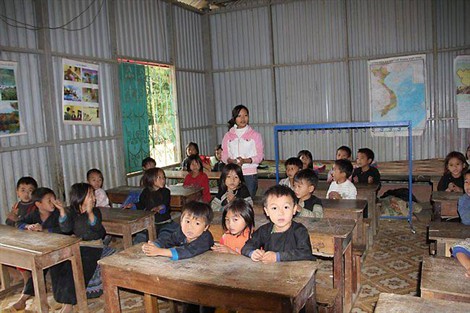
(39, 210)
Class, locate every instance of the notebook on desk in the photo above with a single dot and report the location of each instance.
(133, 198)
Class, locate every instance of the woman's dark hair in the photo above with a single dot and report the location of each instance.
(150, 175)
(223, 176)
(235, 111)
(308, 154)
(456, 155)
(242, 208)
(192, 144)
(190, 159)
(78, 193)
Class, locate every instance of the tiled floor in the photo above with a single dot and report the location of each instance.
(392, 265)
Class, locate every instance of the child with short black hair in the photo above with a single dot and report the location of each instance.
(342, 187)
(365, 173)
(343, 152)
(95, 178)
(216, 161)
(196, 177)
(454, 167)
(293, 166)
(232, 186)
(190, 239)
(191, 149)
(24, 188)
(148, 162)
(238, 222)
(305, 182)
(282, 239)
(307, 159)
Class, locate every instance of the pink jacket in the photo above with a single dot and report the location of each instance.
(249, 145)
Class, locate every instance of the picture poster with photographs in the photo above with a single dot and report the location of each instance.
(80, 96)
(9, 106)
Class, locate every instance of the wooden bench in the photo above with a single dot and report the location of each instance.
(444, 205)
(389, 302)
(446, 235)
(179, 195)
(444, 278)
(37, 251)
(212, 279)
(125, 223)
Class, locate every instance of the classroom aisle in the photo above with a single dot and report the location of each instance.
(392, 265)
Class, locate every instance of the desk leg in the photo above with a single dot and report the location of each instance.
(79, 280)
(110, 292)
(126, 237)
(152, 232)
(39, 283)
(151, 303)
(348, 287)
(5, 277)
(338, 273)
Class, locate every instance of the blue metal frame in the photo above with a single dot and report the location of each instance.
(399, 124)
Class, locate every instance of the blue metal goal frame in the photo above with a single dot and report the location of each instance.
(356, 125)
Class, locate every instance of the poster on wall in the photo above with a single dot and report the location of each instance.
(397, 92)
(462, 89)
(80, 93)
(10, 122)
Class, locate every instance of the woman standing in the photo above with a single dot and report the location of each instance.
(242, 145)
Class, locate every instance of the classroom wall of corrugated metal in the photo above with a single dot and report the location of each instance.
(305, 61)
(56, 154)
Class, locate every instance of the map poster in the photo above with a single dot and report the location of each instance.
(10, 122)
(397, 92)
(80, 93)
(462, 89)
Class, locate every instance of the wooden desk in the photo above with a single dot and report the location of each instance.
(37, 251)
(179, 194)
(364, 191)
(182, 174)
(329, 237)
(444, 278)
(446, 235)
(125, 223)
(444, 204)
(390, 302)
(228, 281)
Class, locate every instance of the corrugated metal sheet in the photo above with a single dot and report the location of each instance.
(192, 106)
(240, 39)
(92, 40)
(313, 93)
(142, 30)
(253, 88)
(189, 43)
(299, 27)
(388, 26)
(17, 13)
(452, 23)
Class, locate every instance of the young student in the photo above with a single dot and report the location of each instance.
(148, 162)
(342, 187)
(44, 218)
(461, 250)
(305, 182)
(293, 166)
(343, 152)
(232, 186)
(156, 198)
(216, 161)
(238, 222)
(95, 179)
(454, 167)
(24, 188)
(196, 177)
(307, 159)
(281, 239)
(191, 149)
(81, 219)
(191, 238)
(365, 173)
(467, 155)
